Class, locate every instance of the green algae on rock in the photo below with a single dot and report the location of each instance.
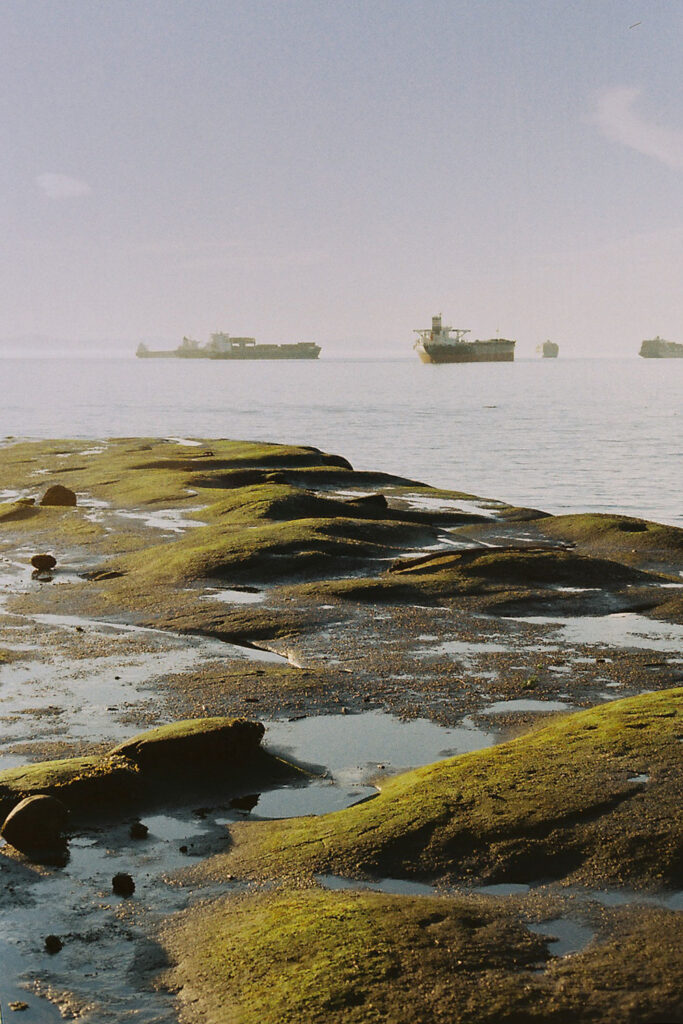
(505, 581)
(620, 538)
(79, 782)
(307, 956)
(204, 751)
(268, 551)
(566, 802)
(17, 511)
(195, 744)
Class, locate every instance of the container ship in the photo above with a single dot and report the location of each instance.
(442, 344)
(550, 350)
(657, 348)
(222, 346)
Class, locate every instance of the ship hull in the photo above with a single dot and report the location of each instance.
(657, 348)
(271, 352)
(494, 351)
(304, 351)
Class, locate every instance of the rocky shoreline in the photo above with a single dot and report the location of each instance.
(198, 584)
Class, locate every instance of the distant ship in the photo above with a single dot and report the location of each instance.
(657, 348)
(222, 346)
(550, 350)
(437, 346)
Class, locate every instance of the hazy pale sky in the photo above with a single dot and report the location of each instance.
(337, 171)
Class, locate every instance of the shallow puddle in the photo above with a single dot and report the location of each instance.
(356, 748)
(394, 886)
(98, 680)
(622, 629)
(169, 520)
(429, 503)
(502, 889)
(565, 936)
(465, 647)
(318, 797)
(234, 595)
(523, 704)
(103, 941)
(13, 965)
(672, 900)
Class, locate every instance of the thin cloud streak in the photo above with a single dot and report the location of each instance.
(62, 186)
(619, 121)
(201, 255)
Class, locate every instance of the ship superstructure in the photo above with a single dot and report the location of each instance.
(441, 344)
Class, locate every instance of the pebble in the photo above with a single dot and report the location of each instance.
(43, 563)
(53, 944)
(122, 884)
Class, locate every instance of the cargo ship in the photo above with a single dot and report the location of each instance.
(550, 350)
(658, 348)
(439, 345)
(222, 346)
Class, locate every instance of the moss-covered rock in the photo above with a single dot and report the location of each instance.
(506, 581)
(270, 550)
(620, 538)
(592, 796)
(17, 511)
(304, 957)
(155, 766)
(198, 744)
(531, 567)
(79, 782)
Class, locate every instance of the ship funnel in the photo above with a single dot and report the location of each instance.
(436, 324)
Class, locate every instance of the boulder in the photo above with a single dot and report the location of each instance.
(37, 822)
(195, 744)
(370, 501)
(122, 884)
(58, 495)
(81, 783)
(43, 563)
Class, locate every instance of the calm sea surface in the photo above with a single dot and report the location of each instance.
(564, 435)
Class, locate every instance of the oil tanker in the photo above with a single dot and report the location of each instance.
(442, 344)
(222, 346)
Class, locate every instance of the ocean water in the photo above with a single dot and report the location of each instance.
(562, 435)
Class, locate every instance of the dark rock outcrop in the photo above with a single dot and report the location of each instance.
(36, 823)
(197, 744)
(58, 495)
(43, 563)
(369, 501)
(122, 884)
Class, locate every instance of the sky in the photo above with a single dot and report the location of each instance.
(338, 171)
